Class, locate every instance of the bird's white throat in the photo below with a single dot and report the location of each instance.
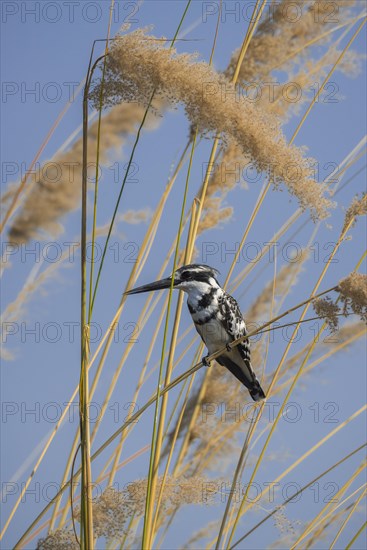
(197, 292)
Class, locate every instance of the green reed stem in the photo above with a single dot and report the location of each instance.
(158, 423)
(128, 168)
(97, 167)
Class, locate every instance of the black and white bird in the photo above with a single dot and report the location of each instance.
(216, 317)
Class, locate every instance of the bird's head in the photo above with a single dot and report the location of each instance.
(188, 278)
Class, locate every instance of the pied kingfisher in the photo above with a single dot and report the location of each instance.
(216, 317)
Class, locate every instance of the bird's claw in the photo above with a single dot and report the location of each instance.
(205, 361)
(228, 347)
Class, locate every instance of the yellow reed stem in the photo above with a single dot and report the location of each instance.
(213, 449)
(42, 455)
(317, 284)
(135, 416)
(285, 227)
(247, 230)
(238, 471)
(143, 318)
(331, 352)
(23, 182)
(250, 32)
(321, 89)
(186, 439)
(170, 360)
(320, 518)
(302, 458)
(245, 44)
(142, 378)
(293, 218)
(303, 314)
(343, 525)
(118, 451)
(169, 458)
(299, 492)
(109, 334)
(158, 424)
(100, 479)
(356, 536)
(262, 197)
(317, 39)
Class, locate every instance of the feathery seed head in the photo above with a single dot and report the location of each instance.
(358, 207)
(328, 310)
(139, 65)
(353, 291)
(62, 539)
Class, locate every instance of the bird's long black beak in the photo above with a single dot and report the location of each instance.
(158, 285)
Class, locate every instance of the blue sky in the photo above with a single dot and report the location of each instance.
(44, 52)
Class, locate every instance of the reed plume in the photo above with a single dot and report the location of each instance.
(281, 71)
(62, 539)
(281, 37)
(326, 309)
(210, 420)
(358, 207)
(353, 294)
(113, 509)
(139, 65)
(56, 189)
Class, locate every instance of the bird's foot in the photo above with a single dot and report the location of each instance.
(228, 347)
(205, 361)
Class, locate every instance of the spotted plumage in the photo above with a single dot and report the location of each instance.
(216, 317)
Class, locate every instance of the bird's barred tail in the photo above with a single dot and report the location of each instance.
(256, 392)
(244, 374)
(249, 379)
(254, 388)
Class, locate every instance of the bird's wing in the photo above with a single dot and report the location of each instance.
(234, 324)
(232, 319)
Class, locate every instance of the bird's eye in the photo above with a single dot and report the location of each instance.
(185, 275)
